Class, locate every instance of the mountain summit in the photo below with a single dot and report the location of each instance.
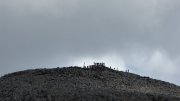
(93, 83)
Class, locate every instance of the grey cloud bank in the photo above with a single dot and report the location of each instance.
(137, 34)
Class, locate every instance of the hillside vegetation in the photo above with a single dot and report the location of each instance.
(84, 84)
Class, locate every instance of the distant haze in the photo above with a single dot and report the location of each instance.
(140, 35)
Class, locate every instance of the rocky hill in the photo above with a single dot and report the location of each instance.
(96, 83)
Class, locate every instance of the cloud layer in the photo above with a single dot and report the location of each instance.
(137, 34)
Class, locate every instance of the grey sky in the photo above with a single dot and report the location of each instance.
(142, 35)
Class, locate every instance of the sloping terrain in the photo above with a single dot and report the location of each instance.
(84, 84)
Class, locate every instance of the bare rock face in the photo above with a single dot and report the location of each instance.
(96, 83)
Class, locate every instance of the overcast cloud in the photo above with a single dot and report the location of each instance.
(141, 35)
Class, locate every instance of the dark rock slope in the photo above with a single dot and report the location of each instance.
(84, 84)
